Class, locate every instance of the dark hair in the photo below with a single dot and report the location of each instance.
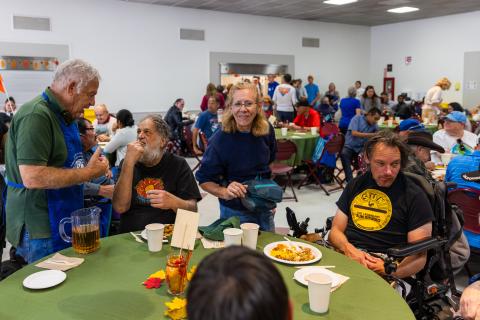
(373, 111)
(389, 139)
(287, 78)
(303, 103)
(10, 99)
(125, 117)
(177, 101)
(82, 125)
(359, 82)
(246, 286)
(368, 88)
(456, 106)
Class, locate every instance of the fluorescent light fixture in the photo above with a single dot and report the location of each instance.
(339, 2)
(403, 9)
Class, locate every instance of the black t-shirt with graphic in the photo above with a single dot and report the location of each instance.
(380, 218)
(172, 174)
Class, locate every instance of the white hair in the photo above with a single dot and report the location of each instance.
(77, 71)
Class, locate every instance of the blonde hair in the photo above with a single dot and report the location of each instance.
(211, 90)
(444, 82)
(260, 125)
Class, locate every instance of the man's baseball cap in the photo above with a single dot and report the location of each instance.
(411, 125)
(456, 116)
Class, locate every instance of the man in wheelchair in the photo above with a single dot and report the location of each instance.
(381, 209)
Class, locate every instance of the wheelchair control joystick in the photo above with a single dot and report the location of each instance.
(299, 229)
(390, 265)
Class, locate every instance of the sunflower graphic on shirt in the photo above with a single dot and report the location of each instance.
(145, 185)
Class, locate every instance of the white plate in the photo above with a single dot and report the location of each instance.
(268, 248)
(302, 273)
(44, 279)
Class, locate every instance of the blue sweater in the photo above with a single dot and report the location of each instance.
(237, 157)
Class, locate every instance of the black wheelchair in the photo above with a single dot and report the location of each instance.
(433, 291)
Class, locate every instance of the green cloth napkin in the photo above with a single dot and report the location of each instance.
(215, 230)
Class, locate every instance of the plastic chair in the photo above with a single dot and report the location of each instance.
(328, 129)
(285, 150)
(333, 146)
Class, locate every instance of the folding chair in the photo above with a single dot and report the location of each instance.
(333, 146)
(329, 128)
(285, 150)
(188, 136)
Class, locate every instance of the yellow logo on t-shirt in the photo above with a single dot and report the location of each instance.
(371, 210)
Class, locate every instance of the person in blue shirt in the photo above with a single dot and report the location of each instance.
(207, 123)
(272, 84)
(349, 107)
(242, 150)
(313, 92)
(463, 164)
(360, 129)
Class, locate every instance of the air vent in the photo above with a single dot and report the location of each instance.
(311, 42)
(31, 23)
(192, 34)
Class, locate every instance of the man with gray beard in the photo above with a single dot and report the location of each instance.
(153, 184)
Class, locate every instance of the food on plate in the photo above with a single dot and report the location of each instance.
(168, 231)
(290, 253)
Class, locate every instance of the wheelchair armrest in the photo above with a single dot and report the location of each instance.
(415, 248)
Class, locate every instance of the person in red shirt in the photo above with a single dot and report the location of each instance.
(306, 117)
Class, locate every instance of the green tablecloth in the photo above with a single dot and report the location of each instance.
(432, 128)
(108, 286)
(304, 141)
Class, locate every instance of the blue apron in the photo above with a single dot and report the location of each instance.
(62, 202)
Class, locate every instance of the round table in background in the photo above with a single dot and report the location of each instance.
(305, 142)
(108, 285)
(432, 128)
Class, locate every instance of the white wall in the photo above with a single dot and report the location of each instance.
(145, 66)
(436, 45)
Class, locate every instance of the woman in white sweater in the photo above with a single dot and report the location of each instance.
(126, 132)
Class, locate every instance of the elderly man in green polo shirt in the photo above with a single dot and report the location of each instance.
(44, 163)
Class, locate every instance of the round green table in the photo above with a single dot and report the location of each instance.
(108, 285)
(432, 128)
(305, 142)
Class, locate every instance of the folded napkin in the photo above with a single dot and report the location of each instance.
(215, 230)
(210, 244)
(343, 279)
(60, 262)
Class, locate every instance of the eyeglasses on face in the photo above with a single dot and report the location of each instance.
(92, 128)
(246, 104)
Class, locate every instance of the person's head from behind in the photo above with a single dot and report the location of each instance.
(287, 78)
(326, 100)
(455, 124)
(386, 155)
(243, 111)
(237, 283)
(352, 92)
(444, 83)
(87, 133)
(124, 119)
(153, 133)
(10, 105)
(421, 143)
(455, 106)
(303, 107)
(101, 113)
(369, 92)
(180, 103)
(373, 115)
(75, 84)
(213, 103)
(310, 79)
(358, 84)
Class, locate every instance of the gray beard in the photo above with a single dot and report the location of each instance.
(151, 156)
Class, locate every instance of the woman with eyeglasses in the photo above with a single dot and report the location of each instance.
(126, 132)
(242, 150)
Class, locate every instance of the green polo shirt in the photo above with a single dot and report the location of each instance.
(35, 138)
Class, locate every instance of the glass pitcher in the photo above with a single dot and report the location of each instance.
(85, 230)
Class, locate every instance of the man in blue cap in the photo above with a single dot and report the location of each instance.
(454, 138)
(410, 125)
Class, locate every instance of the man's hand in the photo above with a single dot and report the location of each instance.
(356, 254)
(197, 151)
(430, 165)
(162, 199)
(103, 138)
(375, 264)
(106, 191)
(235, 190)
(98, 164)
(470, 302)
(311, 237)
(134, 152)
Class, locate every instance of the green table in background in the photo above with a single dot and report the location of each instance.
(108, 286)
(304, 141)
(432, 128)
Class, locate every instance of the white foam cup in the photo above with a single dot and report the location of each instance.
(155, 236)
(319, 286)
(233, 237)
(250, 235)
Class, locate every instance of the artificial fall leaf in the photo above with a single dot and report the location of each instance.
(191, 273)
(153, 283)
(176, 309)
(160, 274)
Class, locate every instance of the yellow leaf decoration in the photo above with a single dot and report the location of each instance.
(160, 274)
(191, 273)
(176, 309)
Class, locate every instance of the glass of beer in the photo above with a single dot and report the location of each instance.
(85, 230)
(176, 272)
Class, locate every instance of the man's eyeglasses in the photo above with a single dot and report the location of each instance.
(246, 104)
(92, 128)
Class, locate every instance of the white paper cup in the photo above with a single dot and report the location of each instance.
(380, 121)
(155, 236)
(313, 130)
(250, 235)
(284, 131)
(319, 286)
(390, 123)
(233, 237)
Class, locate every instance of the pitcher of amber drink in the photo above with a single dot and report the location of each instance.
(85, 230)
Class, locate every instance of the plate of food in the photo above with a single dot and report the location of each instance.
(301, 275)
(167, 232)
(291, 252)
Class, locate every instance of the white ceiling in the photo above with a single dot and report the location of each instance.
(363, 12)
